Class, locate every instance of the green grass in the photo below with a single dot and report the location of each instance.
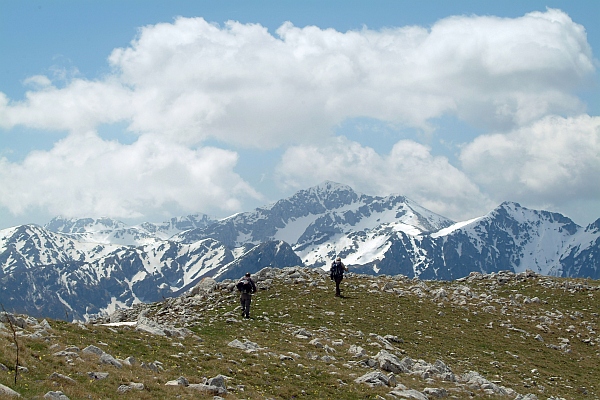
(459, 335)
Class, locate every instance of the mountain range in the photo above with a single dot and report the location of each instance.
(77, 269)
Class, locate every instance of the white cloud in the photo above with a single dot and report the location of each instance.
(409, 169)
(554, 161)
(191, 80)
(181, 84)
(86, 176)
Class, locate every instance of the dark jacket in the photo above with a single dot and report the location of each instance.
(337, 269)
(252, 284)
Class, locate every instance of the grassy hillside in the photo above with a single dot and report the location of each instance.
(524, 332)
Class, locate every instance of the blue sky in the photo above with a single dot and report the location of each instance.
(143, 110)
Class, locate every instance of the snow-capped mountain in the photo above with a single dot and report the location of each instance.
(107, 230)
(78, 268)
(321, 221)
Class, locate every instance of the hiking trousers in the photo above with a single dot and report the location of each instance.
(338, 280)
(245, 300)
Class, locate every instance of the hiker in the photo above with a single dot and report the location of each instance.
(246, 287)
(336, 272)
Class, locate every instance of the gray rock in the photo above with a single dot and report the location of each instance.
(136, 386)
(391, 363)
(408, 394)
(93, 350)
(153, 366)
(123, 388)
(207, 389)
(181, 381)
(63, 353)
(6, 391)
(45, 325)
(218, 381)
(302, 333)
(437, 393)
(206, 285)
(130, 386)
(110, 360)
(377, 378)
(246, 345)
(98, 375)
(129, 361)
(55, 376)
(357, 351)
(56, 396)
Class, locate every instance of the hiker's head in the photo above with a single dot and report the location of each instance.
(247, 273)
(338, 259)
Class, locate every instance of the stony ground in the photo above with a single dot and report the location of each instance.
(503, 335)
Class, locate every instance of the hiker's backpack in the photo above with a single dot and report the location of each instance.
(337, 269)
(244, 285)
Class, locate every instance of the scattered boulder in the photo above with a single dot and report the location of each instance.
(206, 285)
(6, 391)
(55, 376)
(56, 396)
(408, 394)
(98, 375)
(110, 360)
(377, 378)
(246, 345)
(181, 381)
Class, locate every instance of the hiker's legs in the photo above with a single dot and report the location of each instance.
(337, 286)
(246, 300)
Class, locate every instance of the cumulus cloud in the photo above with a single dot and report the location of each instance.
(409, 169)
(555, 161)
(84, 175)
(192, 80)
(180, 85)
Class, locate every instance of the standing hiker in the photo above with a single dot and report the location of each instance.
(246, 287)
(336, 272)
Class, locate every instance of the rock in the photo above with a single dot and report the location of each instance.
(377, 378)
(55, 376)
(357, 351)
(123, 388)
(408, 394)
(98, 375)
(437, 393)
(302, 333)
(206, 389)
(475, 381)
(214, 386)
(45, 325)
(181, 381)
(93, 350)
(130, 386)
(56, 396)
(6, 391)
(391, 363)
(218, 381)
(206, 285)
(129, 361)
(136, 386)
(247, 345)
(69, 354)
(153, 366)
(110, 360)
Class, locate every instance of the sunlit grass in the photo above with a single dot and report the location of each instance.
(500, 344)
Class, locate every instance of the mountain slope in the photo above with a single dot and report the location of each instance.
(92, 266)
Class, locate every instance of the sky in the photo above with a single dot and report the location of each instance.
(146, 110)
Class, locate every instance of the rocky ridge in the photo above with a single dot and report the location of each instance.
(529, 321)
